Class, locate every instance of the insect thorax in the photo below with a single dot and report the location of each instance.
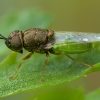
(35, 39)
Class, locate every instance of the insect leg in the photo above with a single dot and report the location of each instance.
(25, 58)
(53, 52)
(45, 63)
(79, 61)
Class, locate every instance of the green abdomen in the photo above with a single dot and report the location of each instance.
(73, 47)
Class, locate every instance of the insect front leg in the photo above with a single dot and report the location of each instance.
(25, 58)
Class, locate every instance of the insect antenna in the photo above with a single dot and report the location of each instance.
(2, 37)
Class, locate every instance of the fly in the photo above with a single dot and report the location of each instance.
(46, 41)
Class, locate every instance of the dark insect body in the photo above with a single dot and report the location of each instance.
(32, 40)
(45, 41)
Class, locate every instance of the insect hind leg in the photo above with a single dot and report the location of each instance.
(88, 65)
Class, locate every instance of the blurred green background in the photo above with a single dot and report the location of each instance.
(68, 15)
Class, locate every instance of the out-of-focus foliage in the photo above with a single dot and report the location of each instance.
(94, 95)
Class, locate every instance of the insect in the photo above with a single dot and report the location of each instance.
(47, 41)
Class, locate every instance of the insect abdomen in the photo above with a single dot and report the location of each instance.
(73, 48)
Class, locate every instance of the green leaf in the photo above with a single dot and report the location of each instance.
(94, 95)
(58, 70)
(60, 93)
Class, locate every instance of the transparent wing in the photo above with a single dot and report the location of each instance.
(70, 38)
(77, 37)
